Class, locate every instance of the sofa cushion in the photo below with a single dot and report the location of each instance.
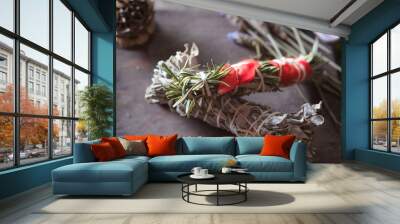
(159, 145)
(257, 163)
(103, 152)
(185, 163)
(112, 171)
(249, 145)
(116, 145)
(134, 147)
(207, 145)
(277, 145)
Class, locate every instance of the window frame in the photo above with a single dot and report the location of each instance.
(388, 74)
(16, 114)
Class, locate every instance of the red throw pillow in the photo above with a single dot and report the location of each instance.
(103, 152)
(277, 145)
(116, 145)
(161, 145)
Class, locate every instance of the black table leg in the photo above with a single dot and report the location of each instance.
(182, 190)
(245, 193)
(188, 190)
(217, 194)
(195, 188)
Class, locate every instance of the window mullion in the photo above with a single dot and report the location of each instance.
(73, 81)
(50, 81)
(371, 89)
(389, 106)
(89, 52)
(16, 70)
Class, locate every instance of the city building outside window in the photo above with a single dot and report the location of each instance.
(30, 72)
(3, 61)
(37, 74)
(43, 90)
(3, 72)
(38, 89)
(30, 87)
(3, 78)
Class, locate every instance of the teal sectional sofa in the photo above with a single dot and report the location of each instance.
(125, 176)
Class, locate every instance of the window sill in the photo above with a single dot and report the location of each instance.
(390, 161)
(30, 166)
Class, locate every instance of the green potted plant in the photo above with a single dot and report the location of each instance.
(96, 103)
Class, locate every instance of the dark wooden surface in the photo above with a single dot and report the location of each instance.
(177, 25)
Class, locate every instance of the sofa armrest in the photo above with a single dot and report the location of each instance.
(299, 159)
(83, 152)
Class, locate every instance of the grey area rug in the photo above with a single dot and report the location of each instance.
(166, 198)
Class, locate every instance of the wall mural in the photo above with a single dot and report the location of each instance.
(201, 73)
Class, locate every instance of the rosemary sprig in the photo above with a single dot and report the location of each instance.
(188, 84)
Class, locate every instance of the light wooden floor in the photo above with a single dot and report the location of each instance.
(379, 189)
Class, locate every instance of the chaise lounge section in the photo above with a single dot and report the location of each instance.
(88, 177)
(125, 176)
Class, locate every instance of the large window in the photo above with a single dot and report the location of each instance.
(44, 64)
(7, 14)
(385, 91)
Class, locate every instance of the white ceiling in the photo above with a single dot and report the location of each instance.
(321, 9)
(324, 16)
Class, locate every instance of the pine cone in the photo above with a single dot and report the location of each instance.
(135, 22)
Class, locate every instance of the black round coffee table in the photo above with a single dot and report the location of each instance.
(238, 179)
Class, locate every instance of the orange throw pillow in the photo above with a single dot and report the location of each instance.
(116, 145)
(277, 145)
(161, 145)
(103, 152)
(135, 137)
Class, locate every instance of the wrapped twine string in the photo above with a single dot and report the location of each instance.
(279, 73)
